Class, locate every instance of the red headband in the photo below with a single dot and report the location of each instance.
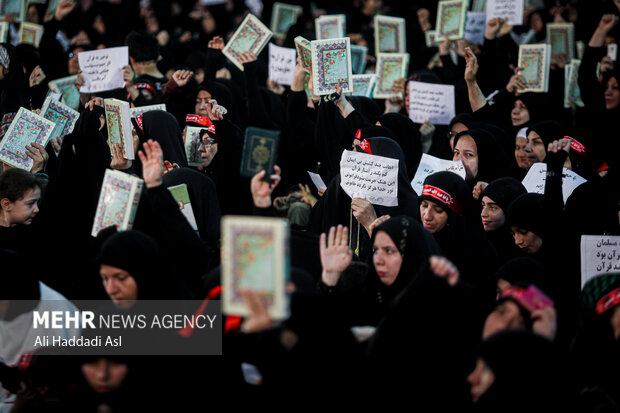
(145, 86)
(577, 146)
(140, 123)
(444, 197)
(202, 121)
(365, 145)
(610, 300)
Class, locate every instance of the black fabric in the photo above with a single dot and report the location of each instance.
(503, 191)
(163, 128)
(527, 212)
(407, 136)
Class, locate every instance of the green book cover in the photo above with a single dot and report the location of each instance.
(181, 195)
(260, 151)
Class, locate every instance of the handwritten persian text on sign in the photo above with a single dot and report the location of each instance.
(599, 254)
(371, 177)
(103, 69)
(432, 102)
(429, 165)
(282, 61)
(511, 9)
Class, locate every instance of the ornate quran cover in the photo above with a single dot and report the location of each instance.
(363, 85)
(70, 95)
(330, 26)
(534, 59)
(431, 38)
(181, 195)
(572, 93)
(358, 59)
(26, 128)
(118, 201)
(62, 115)
(451, 19)
(331, 65)
(561, 37)
(252, 35)
(390, 67)
(304, 52)
(118, 121)
(283, 17)
(133, 112)
(192, 145)
(15, 7)
(255, 256)
(390, 35)
(30, 33)
(260, 151)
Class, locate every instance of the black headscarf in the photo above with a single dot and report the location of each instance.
(407, 135)
(527, 212)
(203, 196)
(368, 107)
(503, 191)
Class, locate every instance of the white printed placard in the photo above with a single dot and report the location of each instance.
(474, 26)
(429, 165)
(536, 177)
(510, 9)
(432, 102)
(371, 177)
(282, 61)
(599, 254)
(317, 181)
(103, 69)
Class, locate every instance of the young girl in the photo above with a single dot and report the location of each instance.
(20, 192)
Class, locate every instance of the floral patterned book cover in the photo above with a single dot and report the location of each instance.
(15, 7)
(252, 35)
(534, 59)
(283, 17)
(390, 67)
(331, 65)
(451, 19)
(260, 150)
(192, 145)
(561, 37)
(140, 110)
(390, 35)
(26, 128)
(363, 85)
(330, 26)
(4, 32)
(118, 121)
(118, 201)
(304, 52)
(358, 59)
(30, 33)
(255, 256)
(70, 95)
(62, 115)
(572, 93)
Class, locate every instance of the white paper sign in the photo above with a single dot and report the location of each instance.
(536, 177)
(612, 51)
(599, 254)
(510, 9)
(475, 26)
(430, 101)
(103, 69)
(282, 61)
(429, 165)
(371, 177)
(317, 181)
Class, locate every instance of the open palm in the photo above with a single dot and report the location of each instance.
(335, 254)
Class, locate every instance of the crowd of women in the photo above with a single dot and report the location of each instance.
(466, 296)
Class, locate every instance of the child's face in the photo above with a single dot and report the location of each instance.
(24, 209)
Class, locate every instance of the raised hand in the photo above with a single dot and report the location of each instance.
(478, 188)
(471, 68)
(377, 222)
(118, 161)
(128, 75)
(335, 254)
(216, 43)
(39, 156)
(261, 190)
(152, 159)
(37, 76)
(63, 9)
(258, 319)
(516, 82)
(181, 77)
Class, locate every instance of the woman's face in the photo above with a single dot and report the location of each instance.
(612, 94)
(201, 102)
(492, 215)
(74, 65)
(526, 240)
(519, 114)
(104, 375)
(120, 285)
(505, 316)
(456, 128)
(536, 23)
(537, 146)
(523, 153)
(480, 379)
(386, 258)
(434, 218)
(23, 210)
(467, 151)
